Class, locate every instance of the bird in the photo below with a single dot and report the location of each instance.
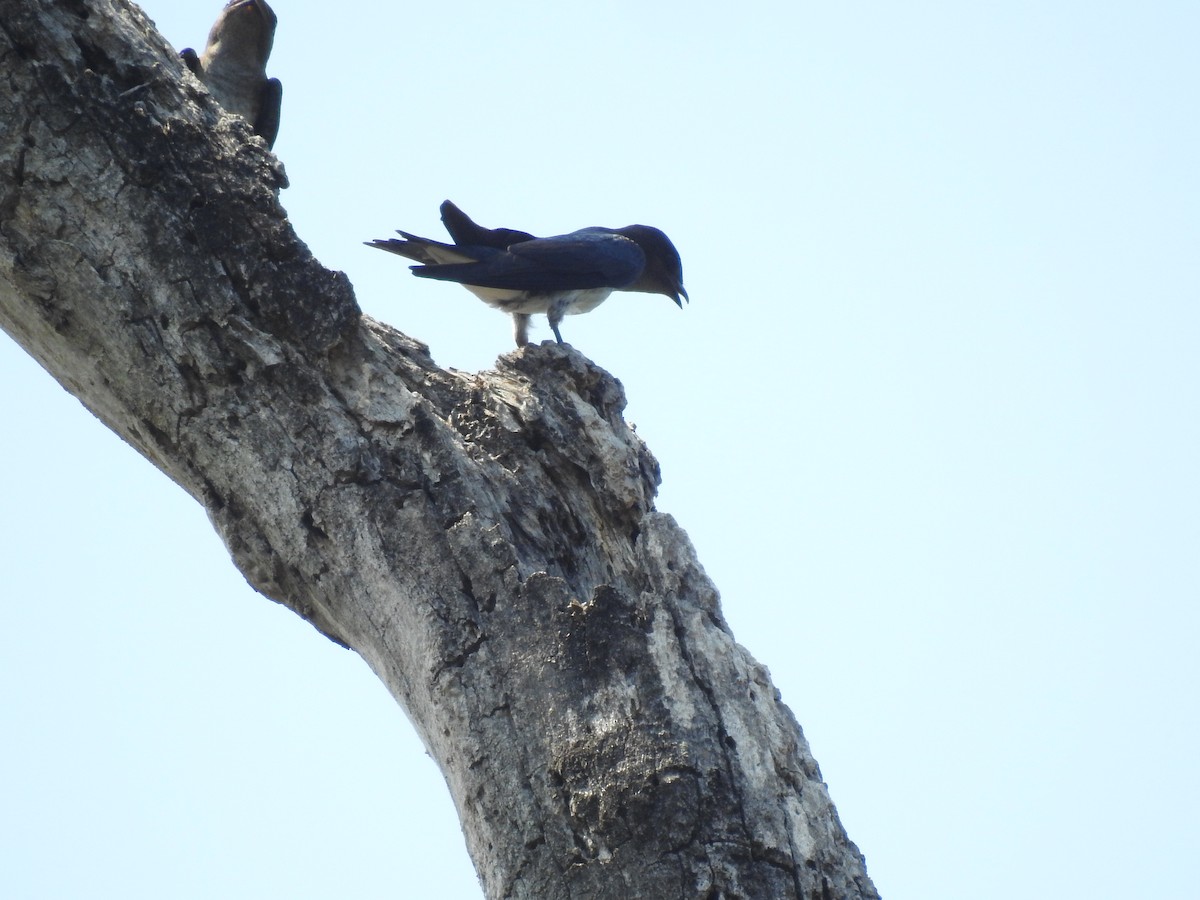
(566, 274)
(233, 65)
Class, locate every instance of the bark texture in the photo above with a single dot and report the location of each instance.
(488, 543)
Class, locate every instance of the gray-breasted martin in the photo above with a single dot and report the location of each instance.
(520, 274)
(234, 65)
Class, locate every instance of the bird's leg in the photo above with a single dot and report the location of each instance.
(521, 328)
(555, 314)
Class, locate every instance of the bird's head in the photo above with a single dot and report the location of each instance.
(245, 27)
(664, 269)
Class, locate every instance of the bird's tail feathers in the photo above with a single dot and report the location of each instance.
(423, 250)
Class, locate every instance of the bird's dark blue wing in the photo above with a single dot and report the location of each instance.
(591, 258)
(465, 231)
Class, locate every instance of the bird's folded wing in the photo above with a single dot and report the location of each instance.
(465, 231)
(578, 261)
(266, 124)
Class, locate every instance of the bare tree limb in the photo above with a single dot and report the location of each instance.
(487, 543)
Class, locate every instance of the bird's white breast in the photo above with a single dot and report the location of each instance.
(513, 301)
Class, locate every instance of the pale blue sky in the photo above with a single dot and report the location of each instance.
(931, 421)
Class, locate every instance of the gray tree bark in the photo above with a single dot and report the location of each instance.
(488, 543)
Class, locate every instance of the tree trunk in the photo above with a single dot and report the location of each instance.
(488, 543)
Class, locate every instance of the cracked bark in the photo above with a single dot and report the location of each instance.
(487, 543)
